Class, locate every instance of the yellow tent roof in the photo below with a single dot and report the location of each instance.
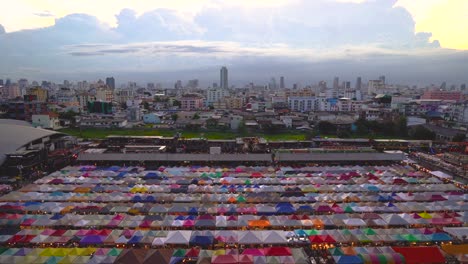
(455, 249)
(219, 252)
(425, 215)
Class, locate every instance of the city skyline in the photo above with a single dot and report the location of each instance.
(307, 42)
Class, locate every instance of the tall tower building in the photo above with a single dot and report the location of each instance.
(272, 85)
(358, 83)
(336, 83)
(110, 82)
(282, 82)
(223, 78)
(382, 78)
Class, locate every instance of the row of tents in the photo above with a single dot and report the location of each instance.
(207, 238)
(272, 255)
(233, 221)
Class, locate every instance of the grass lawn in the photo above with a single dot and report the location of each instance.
(95, 133)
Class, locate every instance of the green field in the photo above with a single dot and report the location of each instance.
(94, 133)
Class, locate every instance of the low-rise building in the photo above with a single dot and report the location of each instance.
(443, 95)
(152, 118)
(49, 121)
(191, 102)
(102, 121)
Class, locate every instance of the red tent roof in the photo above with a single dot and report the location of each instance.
(277, 251)
(417, 255)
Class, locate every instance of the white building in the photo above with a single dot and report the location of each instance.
(65, 96)
(216, 95)
(104, 94)
(50, 121)
(375, 86)
(235, 121)
(124, 95)
(302, 104)
(84, 98)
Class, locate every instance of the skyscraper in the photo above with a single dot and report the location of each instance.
(336, 83)
(223, 78)
(110, 82)
(358, 83)
(382, 78)
(282, 82)
(347, 85)
(272, 85)
(1, 82)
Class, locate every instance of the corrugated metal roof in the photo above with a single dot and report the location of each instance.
(13, 137)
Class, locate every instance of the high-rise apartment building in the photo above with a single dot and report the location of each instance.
(282, 86)
(41, 94)
(223, 80)
(336, 83)
(358, 83)
(110, 82)
(375, 86)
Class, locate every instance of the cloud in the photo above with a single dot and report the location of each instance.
(446, 20)
(307, 33)
(44, 14)
(316, 23)
(159, 24)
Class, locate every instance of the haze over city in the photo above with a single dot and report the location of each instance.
(411, 42)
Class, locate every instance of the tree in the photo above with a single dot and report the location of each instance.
(459, 138)
(196, 116)
(422, 133)
(242, 129)
(362, 126)
(211, 123)
(69, 115)
(268, 128)
(176, 103)
(174, 117)
(401, 127)
(309, 135)
(326, 127)
(343, 134)
(146, 105)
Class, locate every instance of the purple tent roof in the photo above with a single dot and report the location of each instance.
(92, 239)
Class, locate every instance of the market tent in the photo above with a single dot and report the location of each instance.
(178, 237)
(250, 237)
(225, 259)
(131, 256)
(274, 237)
(158, 256)
(417, 255)
(459, 232)
(348, 259)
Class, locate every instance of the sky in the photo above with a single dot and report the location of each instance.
(409, 41)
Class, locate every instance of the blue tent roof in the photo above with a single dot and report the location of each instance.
(57, 216)
(440, 237)
(285, 210)
(134, 239)
(113, 168)
(348, 260)
(202, 240)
